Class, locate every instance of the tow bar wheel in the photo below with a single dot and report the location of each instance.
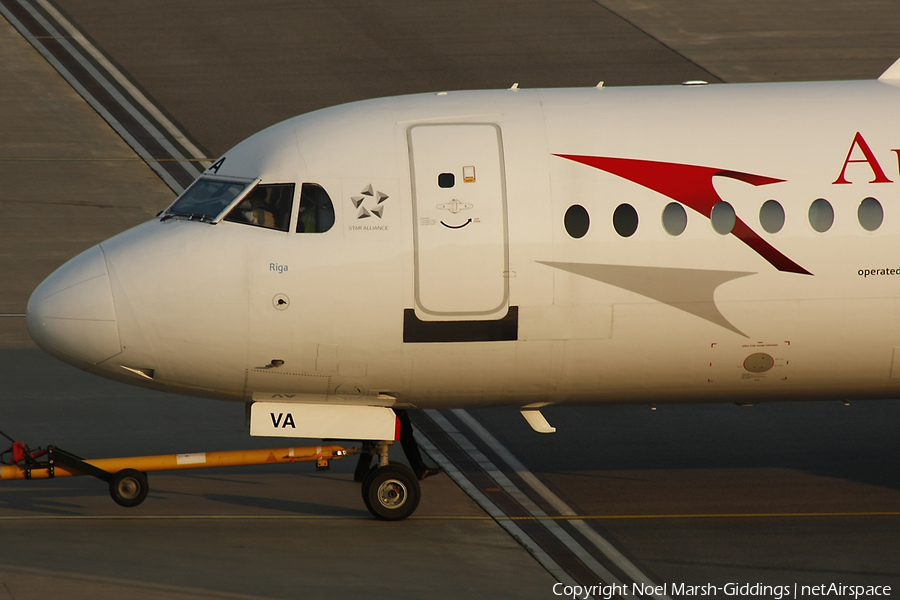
(128, 487)
(391, 493)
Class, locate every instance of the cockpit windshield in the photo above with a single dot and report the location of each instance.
(207, 198)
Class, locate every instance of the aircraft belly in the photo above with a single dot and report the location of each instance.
(470, 373)
(658, 354)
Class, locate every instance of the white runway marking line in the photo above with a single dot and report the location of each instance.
(133, 91)
(555, 501)
(503, 481)
(93, 102)
(105, 84)
(489, 507)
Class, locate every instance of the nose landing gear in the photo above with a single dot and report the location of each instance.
(390, 491)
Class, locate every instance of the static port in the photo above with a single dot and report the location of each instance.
(281, 302)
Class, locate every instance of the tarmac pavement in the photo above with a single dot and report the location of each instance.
(225, 69)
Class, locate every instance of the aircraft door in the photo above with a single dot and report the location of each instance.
(460, 221)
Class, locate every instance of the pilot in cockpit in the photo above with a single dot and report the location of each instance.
(266, 206)
(260, 210)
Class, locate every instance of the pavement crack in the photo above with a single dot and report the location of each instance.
(6, 587)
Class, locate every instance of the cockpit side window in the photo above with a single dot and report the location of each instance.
(268, 205)
(316, 210)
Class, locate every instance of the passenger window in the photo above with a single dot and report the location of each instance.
(577, 221)
(625, 220)
(771, 216)
(266, 206)
(870, 214)
(722, 217)
(674, 218)
(316, 210)
(821, 215)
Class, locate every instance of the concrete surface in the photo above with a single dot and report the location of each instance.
(226, 69)
(67, 181)
(773, 40)
(805, 492)
(280, 531)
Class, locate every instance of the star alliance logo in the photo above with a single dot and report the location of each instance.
(369, 193)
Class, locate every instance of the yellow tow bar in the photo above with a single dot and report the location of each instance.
(127, 476)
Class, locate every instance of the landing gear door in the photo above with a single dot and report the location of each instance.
(460, 234)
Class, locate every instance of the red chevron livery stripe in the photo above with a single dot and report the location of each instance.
(692, 186)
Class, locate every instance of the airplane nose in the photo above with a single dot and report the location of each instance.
(71, 314)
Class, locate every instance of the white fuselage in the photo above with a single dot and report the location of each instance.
(477, 293)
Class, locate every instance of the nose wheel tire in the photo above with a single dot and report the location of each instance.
(128, 487)
(391, 493)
